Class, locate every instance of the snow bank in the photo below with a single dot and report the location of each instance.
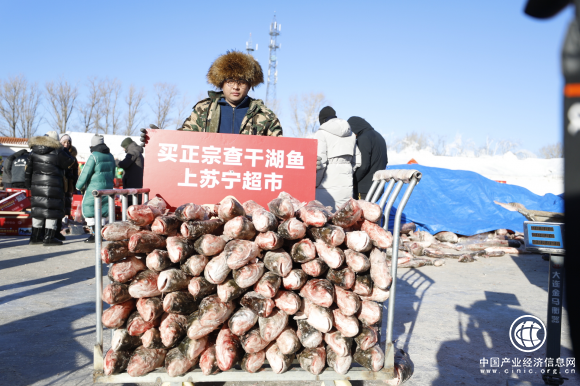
(540, 176)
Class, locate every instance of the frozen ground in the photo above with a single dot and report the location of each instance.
(539, 175)
(447, 318)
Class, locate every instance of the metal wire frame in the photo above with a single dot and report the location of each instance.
(265, 374)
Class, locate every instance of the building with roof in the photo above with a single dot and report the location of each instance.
(10, 145)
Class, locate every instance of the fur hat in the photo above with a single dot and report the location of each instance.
(52, 134)
(235, 65)
(97, 140)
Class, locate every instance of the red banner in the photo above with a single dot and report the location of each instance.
(203, 168)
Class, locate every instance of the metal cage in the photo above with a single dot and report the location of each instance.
(296, 373)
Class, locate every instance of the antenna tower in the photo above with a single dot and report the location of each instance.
(250, 46)
(275, 29)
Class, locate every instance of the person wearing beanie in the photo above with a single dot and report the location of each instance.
(230, 110)
(44, 177)
(53, 135)
(338, 156)
(132, 165)
(98, 174)
(72, 174)
(373, 150)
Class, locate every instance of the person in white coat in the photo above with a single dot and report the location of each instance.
(338, 158)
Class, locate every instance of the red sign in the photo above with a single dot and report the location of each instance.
(16, 225)
(203, 168)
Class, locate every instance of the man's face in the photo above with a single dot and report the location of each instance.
(235, 91)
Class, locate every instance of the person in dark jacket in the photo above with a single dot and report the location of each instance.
(98, 174)
(6, 176)
(45, 178)
(373, 149)
(132, 164)
(17, 162)
(72, 174)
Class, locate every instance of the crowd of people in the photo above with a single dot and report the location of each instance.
(349, 152)
(50, 170)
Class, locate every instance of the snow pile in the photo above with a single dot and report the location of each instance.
(540, 176)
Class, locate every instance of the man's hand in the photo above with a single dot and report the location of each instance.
(318, 163)
(144, 138)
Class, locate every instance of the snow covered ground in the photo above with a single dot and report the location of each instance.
(539, 175)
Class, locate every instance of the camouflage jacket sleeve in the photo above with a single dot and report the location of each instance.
(198, 118)
(275, 129)
(267, 123)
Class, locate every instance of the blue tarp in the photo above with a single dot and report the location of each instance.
(462, 202)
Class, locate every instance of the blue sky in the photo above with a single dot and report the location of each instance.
(479, 69)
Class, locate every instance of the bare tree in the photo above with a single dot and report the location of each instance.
(305, 111)
(413, 141)
(90, 110)
(29, 118)
(552, 151)
(439, 145)
(460, 147)
(274, 105)
(164, 101)
(183, 106)
(497, 147)
(110, 90)
(62, 97)
(201, 96)
(11, 94)
(134, 101)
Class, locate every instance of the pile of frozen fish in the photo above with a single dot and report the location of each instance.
(219, 285)
(420, 248)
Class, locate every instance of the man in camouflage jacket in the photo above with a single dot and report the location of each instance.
(231, 110)
(259, 120)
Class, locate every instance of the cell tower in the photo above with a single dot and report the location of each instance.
(250, 46)
(275, 29)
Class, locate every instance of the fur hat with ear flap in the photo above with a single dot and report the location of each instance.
(235, 65)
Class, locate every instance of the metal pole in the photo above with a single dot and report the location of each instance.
(134, 199)
(124, 203)
(145, 197)
(389, 348)
(374, 197)
(371, 190)
(98, 270)
(111, 209)
(386, 194)
(390, 203)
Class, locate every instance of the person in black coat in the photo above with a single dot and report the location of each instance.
(71, 174)
(132, 165)
(373, 149)
(45, 179)
(17, 162)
